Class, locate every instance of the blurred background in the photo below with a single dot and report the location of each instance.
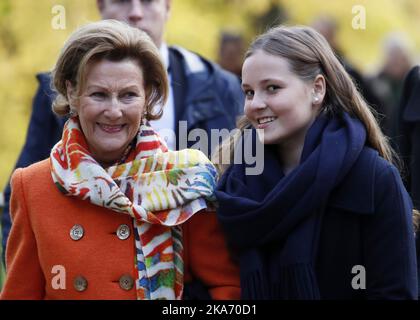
(218, 29)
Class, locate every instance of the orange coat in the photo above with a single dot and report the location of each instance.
(40, 247)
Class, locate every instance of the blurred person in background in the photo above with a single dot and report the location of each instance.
(388, 82)
(408, 132)
(231, 52)
(328, 27)
(123, 216)
(201, 93)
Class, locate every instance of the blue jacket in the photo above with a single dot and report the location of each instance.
(205, 95)
(370, 207)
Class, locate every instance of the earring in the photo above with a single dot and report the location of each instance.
(316, 99)
(73, 111)
(144, 117)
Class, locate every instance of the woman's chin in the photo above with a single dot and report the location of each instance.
(109, 153)
(268, 139)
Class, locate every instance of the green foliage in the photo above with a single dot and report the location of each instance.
(5, 8)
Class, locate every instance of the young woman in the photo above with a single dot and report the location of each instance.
(328, 218)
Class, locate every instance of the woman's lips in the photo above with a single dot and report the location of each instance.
(111, 128)
(263, 126)
(264, 122)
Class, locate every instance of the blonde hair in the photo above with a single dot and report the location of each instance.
(309, 55)
(115, 41)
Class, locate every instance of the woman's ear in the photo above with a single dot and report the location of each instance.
(69, 88)
(71, 97)
(319, 90)
(70, 92)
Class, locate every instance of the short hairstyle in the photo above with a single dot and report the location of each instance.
(114, 41)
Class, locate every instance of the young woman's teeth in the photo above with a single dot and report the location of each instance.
(266, 120)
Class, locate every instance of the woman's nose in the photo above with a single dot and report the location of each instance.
(257, 102)
(114, 110)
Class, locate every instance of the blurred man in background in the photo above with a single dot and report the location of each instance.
(231, 52)
(388, 82)
(328, 27)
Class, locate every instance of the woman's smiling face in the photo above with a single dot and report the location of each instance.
(277, 101)
(110, 107)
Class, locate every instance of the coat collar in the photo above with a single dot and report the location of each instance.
(356, 192)
(164, 54)
(201, 99)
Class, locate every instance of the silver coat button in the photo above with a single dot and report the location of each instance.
(126, 282)
(80, 283)
(76, 232)
(123, 232)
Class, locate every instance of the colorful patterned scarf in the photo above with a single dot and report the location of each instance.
(159, 189)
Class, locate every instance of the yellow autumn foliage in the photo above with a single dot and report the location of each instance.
(29, 44)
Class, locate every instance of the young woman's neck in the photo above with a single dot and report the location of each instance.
(290, 153)
(290, 149)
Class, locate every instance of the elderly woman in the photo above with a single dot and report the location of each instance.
(112, 214)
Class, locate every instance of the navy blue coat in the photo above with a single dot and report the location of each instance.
(205, 95)
(368, 222)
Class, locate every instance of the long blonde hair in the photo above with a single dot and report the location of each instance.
(309, 55)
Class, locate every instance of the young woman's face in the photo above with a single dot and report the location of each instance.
(110, 107)
(277, 100)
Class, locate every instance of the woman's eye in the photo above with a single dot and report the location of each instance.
(272, 88)
(120, 1)
(249, 93)
(100, 95)
(129, 95)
